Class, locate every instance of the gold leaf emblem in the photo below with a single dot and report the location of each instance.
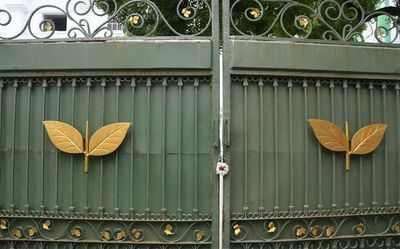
(76, 232)
(17, 233)
(187, 12)
(137, 234)
(105, 234)
(329, 231)
(200, 235)
(47, 225)
(3, 224)
(359, 229)
(272, 227)
(65, 137)
(103, 142)
(107, 139)
(168, 230)
(315, 231)
(237, 230)
(121, 235)
(32, 231)
(366, 140)
(329, 135)
(301, 231)
(396, 228)
(255, 12)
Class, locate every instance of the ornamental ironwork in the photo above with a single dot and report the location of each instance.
(328, 20)
(137, 18)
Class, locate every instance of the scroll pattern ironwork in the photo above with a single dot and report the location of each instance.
(104, 231)
(138, 18)
(318, 232)
(294, 19)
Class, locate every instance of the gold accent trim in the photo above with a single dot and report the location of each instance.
(329, 231)
(200, 235)
(359, 229)
(396, 228)
(47, 225)
(301, 231)
(103, 142)
(76, 232)
(271, 227)
(105, 235)
(187, 12)
(3, 224)
(32, 232)
(365, 141)
(168, 230)
(237, 230)
(255, 12)
(17, 233)
(121, 235)
(136, 233)
(316, 231)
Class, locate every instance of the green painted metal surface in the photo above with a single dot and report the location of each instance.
(137, 55)
(161, 174)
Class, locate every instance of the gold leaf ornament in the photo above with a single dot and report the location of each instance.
(365, 141)
(103, 142)
(168, 230)
(329, 135)
(3, 224)
(107, 139)
(65, 137)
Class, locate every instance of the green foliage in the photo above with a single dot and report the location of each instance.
(302, 20)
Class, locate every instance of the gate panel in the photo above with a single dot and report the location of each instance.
(155, 189)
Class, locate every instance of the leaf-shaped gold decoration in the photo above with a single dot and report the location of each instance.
(47, 225)
(359, 229)
(121, 235)
(32, 231)
(107, 139)
(237, 230)
(137, 234)
(200, 235)
(17, 232)
(367, 139)
(76, 232)
(272, 227)
(301, 231)
(65, 137)
(168, 230)
(329, 231)
(3, 224)
(105, 234)
(329, 135)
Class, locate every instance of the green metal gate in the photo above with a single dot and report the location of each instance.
(159, 189)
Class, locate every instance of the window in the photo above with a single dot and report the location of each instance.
(113, 25)
(60, 22)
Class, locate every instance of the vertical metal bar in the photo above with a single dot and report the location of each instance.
(3, 193)
(14, 120)
(44, 85)
(291, 204)
(133, 86)
(397, 88)
(305, 86)
(117, 85)
(72, 156)
(371, 115)
(384, 88)
(261, 200)
(88, 85)
(148, 85)
(361, 186)
(180, 84)
(196, 103)
(345, 87)
(320, 188)
(332, 95)
(163, 190)
(57, 155)
(245, 85)
(28, 115)
(103, 85)
(276, 159)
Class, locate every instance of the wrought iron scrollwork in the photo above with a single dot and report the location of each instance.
(137, 17)
(327, 20)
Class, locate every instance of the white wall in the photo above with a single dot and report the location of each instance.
(20, 11)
